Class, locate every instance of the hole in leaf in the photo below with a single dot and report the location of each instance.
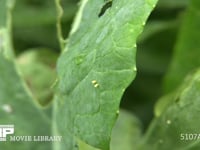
(105, 7)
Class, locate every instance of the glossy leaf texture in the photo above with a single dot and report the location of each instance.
(96, 67)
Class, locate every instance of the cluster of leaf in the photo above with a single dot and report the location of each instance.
(80, 100)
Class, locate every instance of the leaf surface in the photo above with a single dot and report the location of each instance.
(126, 134)
(17, 108)
(179, 119)
(96, 67)
(187, 50)
(16, 105)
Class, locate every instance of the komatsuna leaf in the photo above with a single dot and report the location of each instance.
(177, 127)
(185, 58)
(126, 133)
(186, 53)
(31, 63)
(17, 108)
(16, 105)
(95, 68)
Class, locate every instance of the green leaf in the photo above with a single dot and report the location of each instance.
(16, 105)
(18, 108)
(126, 133)
(3, 11)
(96, 67)
(34, 23)
(181, 117)
(172, 3)
(186, 55)
(177, 112)
(6, 7)
(35, 13)
(39, 72)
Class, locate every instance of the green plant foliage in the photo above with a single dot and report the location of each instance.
(85, 94)
(96, 67)
(31, 63)
(5, 27)
(28, 120)
(15, 101)
(177, 112)
(178, 119)
(126, 133)
(186, 54)
(179, 68)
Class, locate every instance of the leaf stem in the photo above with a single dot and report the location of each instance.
(59, 10)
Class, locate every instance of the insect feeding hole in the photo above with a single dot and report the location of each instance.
(107, 5)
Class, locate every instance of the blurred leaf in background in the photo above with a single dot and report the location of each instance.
(16, 105)
(39, 72)
(155, 49)
(34, 23)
